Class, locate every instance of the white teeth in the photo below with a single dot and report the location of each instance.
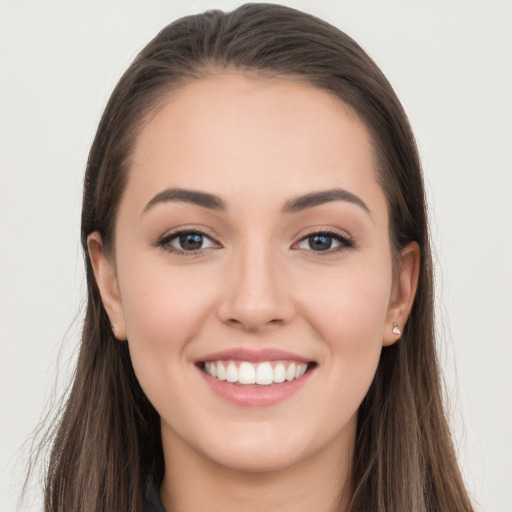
(232, 373)
(290, 372)
(221, 371)
(279, 373)
(264, 374)
(247, 373)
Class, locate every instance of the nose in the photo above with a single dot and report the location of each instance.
(256, 295)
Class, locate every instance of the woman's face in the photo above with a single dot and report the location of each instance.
(252, 246)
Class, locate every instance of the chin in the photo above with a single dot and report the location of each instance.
(259, 460)
(264, 449)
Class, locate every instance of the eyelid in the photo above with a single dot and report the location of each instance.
(345, 240)
(163, 242)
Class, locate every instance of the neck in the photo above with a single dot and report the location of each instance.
(195, 484)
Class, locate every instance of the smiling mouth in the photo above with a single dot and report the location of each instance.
(265, 373)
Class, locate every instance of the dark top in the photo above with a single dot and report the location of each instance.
(152, 495)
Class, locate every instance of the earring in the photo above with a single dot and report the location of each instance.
(396, 329)
(114, 331)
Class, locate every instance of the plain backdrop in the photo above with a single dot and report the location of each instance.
(451, 65)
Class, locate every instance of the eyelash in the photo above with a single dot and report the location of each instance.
(165, 242)
(345, 242)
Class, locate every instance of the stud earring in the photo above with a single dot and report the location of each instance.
(114, 331)
(396, 329)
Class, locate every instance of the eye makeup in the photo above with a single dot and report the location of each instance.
(186, 242)
(325, 241)
(190, 242)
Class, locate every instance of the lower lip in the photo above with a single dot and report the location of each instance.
(255, 396)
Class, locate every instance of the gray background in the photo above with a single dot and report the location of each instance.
(451, 65)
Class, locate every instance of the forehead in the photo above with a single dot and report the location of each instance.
(232, 131)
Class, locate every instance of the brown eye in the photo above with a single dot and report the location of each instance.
(319, 242)
(325, 241)
(187, 242)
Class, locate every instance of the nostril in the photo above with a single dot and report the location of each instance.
(250, 324)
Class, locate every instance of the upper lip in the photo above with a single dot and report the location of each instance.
(253, 356)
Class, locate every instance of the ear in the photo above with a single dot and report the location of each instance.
(403, 293)
(106, 279)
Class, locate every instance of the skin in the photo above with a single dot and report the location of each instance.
(257, 283)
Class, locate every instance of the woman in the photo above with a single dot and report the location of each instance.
(259, 329)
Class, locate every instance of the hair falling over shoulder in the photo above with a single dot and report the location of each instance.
(107, 439)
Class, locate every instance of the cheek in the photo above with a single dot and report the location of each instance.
(350, 316)
(353, 305)
(161, 302)
(163, 310)
(352, 319)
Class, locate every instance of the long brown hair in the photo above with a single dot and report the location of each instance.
(108, 437)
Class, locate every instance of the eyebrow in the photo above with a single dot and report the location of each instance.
(300, 203)
(294, 205)
(203, 199)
